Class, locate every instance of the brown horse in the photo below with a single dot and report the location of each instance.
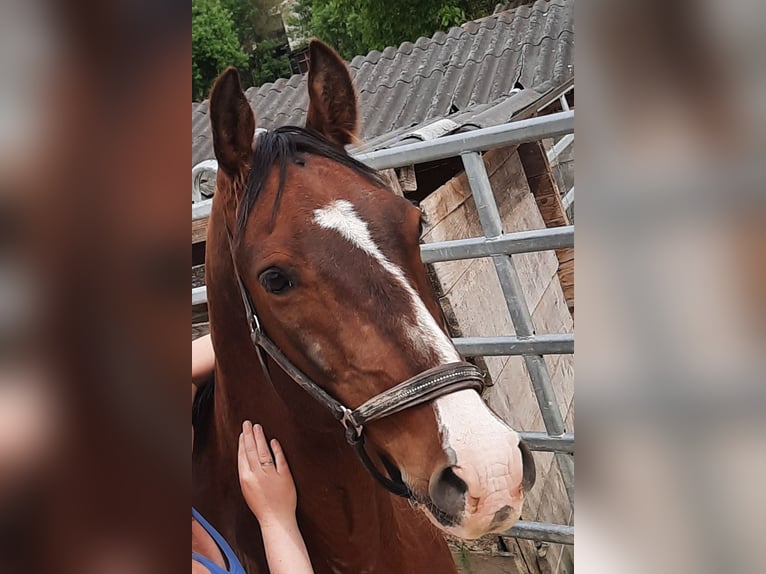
(331, 260)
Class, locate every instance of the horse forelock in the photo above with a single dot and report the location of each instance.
(281, 147)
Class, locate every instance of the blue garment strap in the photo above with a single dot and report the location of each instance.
(231, 559)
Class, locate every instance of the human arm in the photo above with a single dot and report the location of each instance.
(269, 491)
(203, 360)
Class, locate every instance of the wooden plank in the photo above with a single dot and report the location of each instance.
(199, 314)
(567, 275)
(450, 213)
(407, 178)
(476, 563)
(449, 198)
(199, 230)
(198, 276)
(551, 316)
(543, 185)
(535, 269)
(200, 329)
(389, 176)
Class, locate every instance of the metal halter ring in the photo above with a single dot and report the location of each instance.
(353, 430)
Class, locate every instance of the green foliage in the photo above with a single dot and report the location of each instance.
(246, 33)
(241, 33)
(357, 26)
(465, 560)
(254, 20)
(214, 44)
(449, 16)
(266, 65)
(259, 27)
(340, 24)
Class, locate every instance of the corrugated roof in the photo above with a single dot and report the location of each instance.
(481, 62)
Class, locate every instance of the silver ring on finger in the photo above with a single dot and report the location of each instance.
(267, 463)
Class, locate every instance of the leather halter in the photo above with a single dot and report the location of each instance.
(421, 388)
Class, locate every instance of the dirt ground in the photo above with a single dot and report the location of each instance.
(479, 556)
(475, 563)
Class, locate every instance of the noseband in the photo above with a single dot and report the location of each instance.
(421, 388)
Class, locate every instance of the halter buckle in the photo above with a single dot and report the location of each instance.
(353, 430)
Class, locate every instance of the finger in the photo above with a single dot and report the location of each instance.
(264, 454)
(279, 458)
(242, 462)
(251, 450)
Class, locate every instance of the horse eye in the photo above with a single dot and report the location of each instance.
(276, 281)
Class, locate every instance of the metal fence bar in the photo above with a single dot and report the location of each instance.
(554, 344)
(505, 244)
(559, 147)
(568, 199)
(540, 441)
(520, 131)
(558, 533)
(201, 210)
(508, 244)
(516, 132)
(199, 295)
(491, 223)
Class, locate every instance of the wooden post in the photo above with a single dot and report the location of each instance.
(543, 186)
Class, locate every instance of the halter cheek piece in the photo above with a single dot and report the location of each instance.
(421, 388)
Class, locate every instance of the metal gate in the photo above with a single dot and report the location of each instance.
(500, 247)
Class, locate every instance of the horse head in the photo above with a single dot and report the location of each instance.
(331, 260)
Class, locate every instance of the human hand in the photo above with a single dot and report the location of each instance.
(266, 482)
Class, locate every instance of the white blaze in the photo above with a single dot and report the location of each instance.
(340, 216)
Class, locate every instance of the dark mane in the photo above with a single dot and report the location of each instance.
(202, 413)
(283, 146)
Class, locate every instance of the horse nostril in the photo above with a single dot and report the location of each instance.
(529, 474)
(447, 491)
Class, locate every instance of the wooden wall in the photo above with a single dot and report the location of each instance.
(471, 297)
(543, 185)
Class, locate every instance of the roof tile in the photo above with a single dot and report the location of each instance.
(472, 65)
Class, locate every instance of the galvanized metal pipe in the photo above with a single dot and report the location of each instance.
(540, 441)
(559, 147)
(553, 344)
(453, 250)
(568, 199)
(520, 131)
(557, 533)
(492, 224)
(507, 244)
(199, 295)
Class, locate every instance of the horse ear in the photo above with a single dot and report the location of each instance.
(332, 98)
(233, 122)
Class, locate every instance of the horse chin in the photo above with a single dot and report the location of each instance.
(443, 521)
(466, 528)
(452, 527)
